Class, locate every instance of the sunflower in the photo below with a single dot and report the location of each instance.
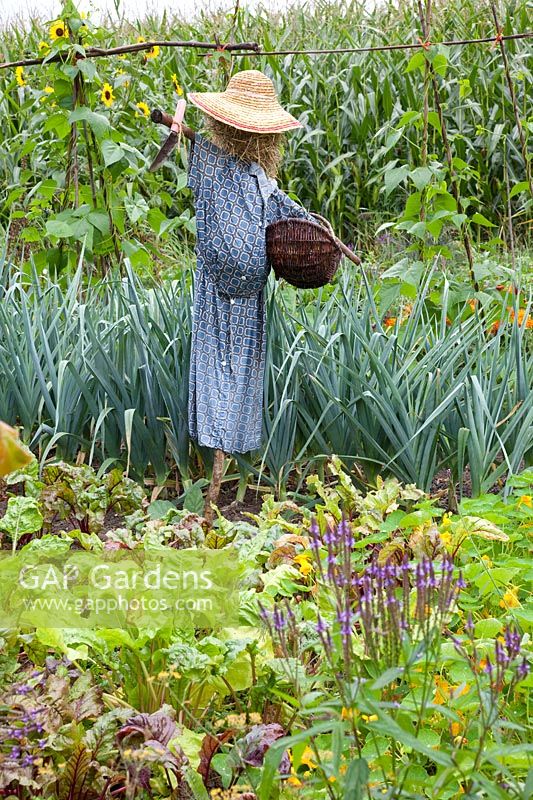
(19, 74)
(177, 87)
(108, 98)
(144, 108)
(44, 47)
(153, 52)
(58, 30)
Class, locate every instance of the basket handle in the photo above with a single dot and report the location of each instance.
(346, 250)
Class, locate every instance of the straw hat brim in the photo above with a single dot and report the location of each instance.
(245, 114)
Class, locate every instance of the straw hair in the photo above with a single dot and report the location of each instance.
(265, 149)
(249, 103)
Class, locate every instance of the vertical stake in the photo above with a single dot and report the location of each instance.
(213, 490)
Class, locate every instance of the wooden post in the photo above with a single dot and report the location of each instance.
(213, 490)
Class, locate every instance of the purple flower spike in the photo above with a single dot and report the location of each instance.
(321, 626)
(314, 530)
(345, 619)
(522, 670)
(344, 532)
(512, 642)
(279, 620)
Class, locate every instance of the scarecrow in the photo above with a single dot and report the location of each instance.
(232, 171)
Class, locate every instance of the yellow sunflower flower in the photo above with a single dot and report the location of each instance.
(107, 95)
(19, 74)
(140, 39)
(44, 47)
(177, 87)
(526, 500)
(153, 52)
(58, 30)
(144, 108)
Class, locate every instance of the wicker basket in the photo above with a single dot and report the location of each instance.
(306, 254)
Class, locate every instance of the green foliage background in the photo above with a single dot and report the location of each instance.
(362, 116)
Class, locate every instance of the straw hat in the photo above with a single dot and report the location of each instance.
(249, 103)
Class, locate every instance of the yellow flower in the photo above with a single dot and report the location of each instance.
(367, 718)
(445, 537)
(140, 39)
(456, 728)
(48, 90)
(510, 599)
(486, 560)
(58, 30)
(347, 713)
(19, 73)
(144, 108)
(307, 758)
(153, 52)
(521, 316)
(304, 562)
(292, 780)
(442, 689)
(175, 81)
(107, 95)
(526, 500)
(44, 47)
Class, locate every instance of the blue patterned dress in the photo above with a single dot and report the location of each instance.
(233, 202)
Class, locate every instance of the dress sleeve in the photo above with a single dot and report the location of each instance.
(280, 206)
(203, 160)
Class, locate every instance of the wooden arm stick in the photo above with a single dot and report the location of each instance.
(166, 119)
(344, 248)
(99, 52)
